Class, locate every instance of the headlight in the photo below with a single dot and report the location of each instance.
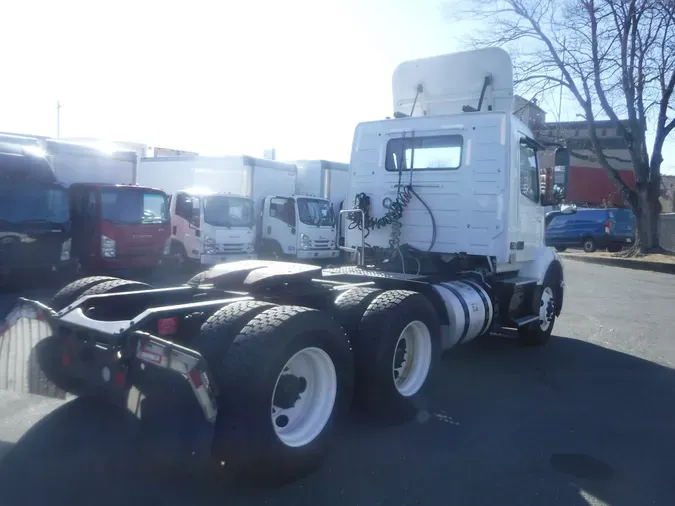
(209, 245)
(65, 250)
(167, 246)
(108, 248)
(305, 242)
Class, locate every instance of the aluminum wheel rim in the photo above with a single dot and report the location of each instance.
(301, 423)
(546, 308)
(412, 358)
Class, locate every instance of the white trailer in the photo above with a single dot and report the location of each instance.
(448, 229)
(80, 163)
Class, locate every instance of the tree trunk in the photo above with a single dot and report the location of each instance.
(647, 218)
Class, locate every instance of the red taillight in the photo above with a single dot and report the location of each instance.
(119, 378)
(607, 231)
(65, 359)
(167, 326)
(195, 378)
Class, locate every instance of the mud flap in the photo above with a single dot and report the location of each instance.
(20, 372)
(177, 438)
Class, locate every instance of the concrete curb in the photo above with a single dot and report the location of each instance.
(639, 265)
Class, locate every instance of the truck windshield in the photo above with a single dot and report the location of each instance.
(316, 212)
(227, 211)
(131, 206)
(28, 201)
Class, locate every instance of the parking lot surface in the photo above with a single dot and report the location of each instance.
(587, 419)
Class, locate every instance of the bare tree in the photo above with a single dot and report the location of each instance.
(616, 58)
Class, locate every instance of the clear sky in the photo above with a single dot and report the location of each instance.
(215, 76)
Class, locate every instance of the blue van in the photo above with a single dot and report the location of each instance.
(592, 229)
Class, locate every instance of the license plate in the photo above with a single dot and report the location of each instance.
(629, 240)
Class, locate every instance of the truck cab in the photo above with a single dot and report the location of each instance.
(119, 226)
(35, 231)
(299, 226)
(209, 228)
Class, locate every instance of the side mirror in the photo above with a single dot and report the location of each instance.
(556, 178)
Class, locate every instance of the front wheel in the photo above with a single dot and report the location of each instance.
(539, 332)
(286, 381)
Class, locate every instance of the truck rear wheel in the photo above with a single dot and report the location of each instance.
(218, 332)
(116, 286)
(287, 382)
(73, 291)
(350, 306)
(397, 348)
(589, 245)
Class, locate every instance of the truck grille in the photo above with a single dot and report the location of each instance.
(323, 244)
(230, 248)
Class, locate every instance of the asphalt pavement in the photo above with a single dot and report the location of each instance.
(587, 419)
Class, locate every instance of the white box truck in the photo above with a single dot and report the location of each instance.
(325, 179)
(212, 217)
(223, 206)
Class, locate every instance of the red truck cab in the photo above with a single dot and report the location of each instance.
(119, 227)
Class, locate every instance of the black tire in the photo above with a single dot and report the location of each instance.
(245, 438)
(271, 250)
(73, 291)
(561, 248)
(589, 245)
(20, 371)
(218, 332)
(116, 286)
(350, 306)
(533, 334)
(375, 346)
(183, 262)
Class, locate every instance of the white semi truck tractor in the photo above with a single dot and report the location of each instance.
(446, 220)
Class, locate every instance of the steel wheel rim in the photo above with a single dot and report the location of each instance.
(412, 358)
(301, 423)
(546, 308)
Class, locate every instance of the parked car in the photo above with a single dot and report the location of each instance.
(592, 229)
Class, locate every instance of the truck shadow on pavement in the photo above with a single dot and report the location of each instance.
(565, 424)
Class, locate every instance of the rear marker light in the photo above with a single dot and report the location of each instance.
(195, 378)
(120, 378)
(65, 359)
(167, 326)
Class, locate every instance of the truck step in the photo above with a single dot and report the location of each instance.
(519, 281)
(526, 320)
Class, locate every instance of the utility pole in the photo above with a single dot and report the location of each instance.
(58, 118)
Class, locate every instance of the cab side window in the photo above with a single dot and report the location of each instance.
(529, 173)
(183, 207)
(283, 209)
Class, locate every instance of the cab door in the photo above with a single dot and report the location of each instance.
(530, 211)
(279, 223)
